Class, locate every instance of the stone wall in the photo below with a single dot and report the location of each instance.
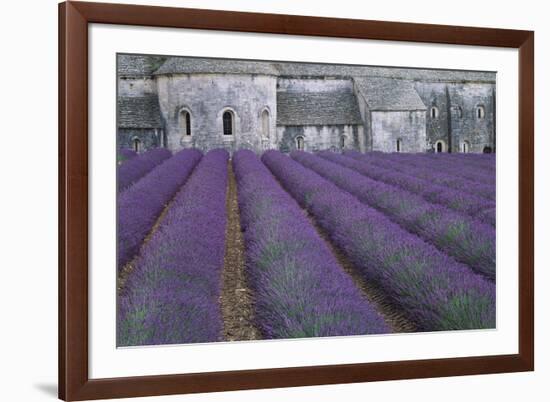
(206, 97)
(136, 86)
(457, 120)
(318, 138)
(389, 126)
(365, 116)
(465, 123)
(465, 111)
(313, 84)
(149, 138)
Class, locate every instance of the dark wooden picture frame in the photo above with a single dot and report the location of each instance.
(74, 382)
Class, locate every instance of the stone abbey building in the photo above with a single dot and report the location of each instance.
(183, 102)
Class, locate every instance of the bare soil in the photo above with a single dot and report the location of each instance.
(236, 299)
(392, 315)
(129, 267)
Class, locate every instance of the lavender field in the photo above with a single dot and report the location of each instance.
(213, 247)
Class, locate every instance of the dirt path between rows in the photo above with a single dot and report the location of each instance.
(236, 299)
(129, 267)
(395, 318)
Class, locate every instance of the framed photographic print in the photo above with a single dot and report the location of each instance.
(260, 200)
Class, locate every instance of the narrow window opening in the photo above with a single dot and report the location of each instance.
(265, 124)
(185, 123)
(136, 143)
(300, 143)
(227, 123)
(480, 112)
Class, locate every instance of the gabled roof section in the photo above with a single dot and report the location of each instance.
(189, 65)
(138, 112)
(143, 65)
(347, 70)
(317, 108)
(389, 94)
(137, 66)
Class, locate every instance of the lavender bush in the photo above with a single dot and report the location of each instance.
(300, 289)
(140, 206)
(399, 164)
(134, 169)
(124, 154)
(172, 296)
(469, 241)
(481, 161)
(462, 202)
(467, 164)
(434, 290)
(443, 163)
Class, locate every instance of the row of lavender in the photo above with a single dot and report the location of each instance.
(467, 240)
(451, 165)
(435, 291)
(139, 206)
(172, 294)
(138, 166)
(463, 202)
(300, 289)
(420, 168)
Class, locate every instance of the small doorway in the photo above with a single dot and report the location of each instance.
(300, 143)
(136, 144)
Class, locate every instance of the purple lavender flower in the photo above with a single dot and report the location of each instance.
(463, 238)
(446, 164)
(134, 169)
(434, 290)
(124, 154)
(416, 166)
(139, 206)
(464, 203)
(172, 295)
(300, 290)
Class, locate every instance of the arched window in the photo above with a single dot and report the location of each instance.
(300, 143)
(439, 146)
(434, 112)
(265, 124)
(136, 144)
(465, 147)
(227, 123)
(399, 145)
(342, 141)
(185, 123)
(480, 112)
(459, 112)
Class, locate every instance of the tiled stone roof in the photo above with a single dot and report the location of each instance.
(317, 108)
(139, 112)
(135, 66)
(190, 65)
(343, 70)
(389, 94)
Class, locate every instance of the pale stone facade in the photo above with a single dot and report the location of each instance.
(182, 102)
